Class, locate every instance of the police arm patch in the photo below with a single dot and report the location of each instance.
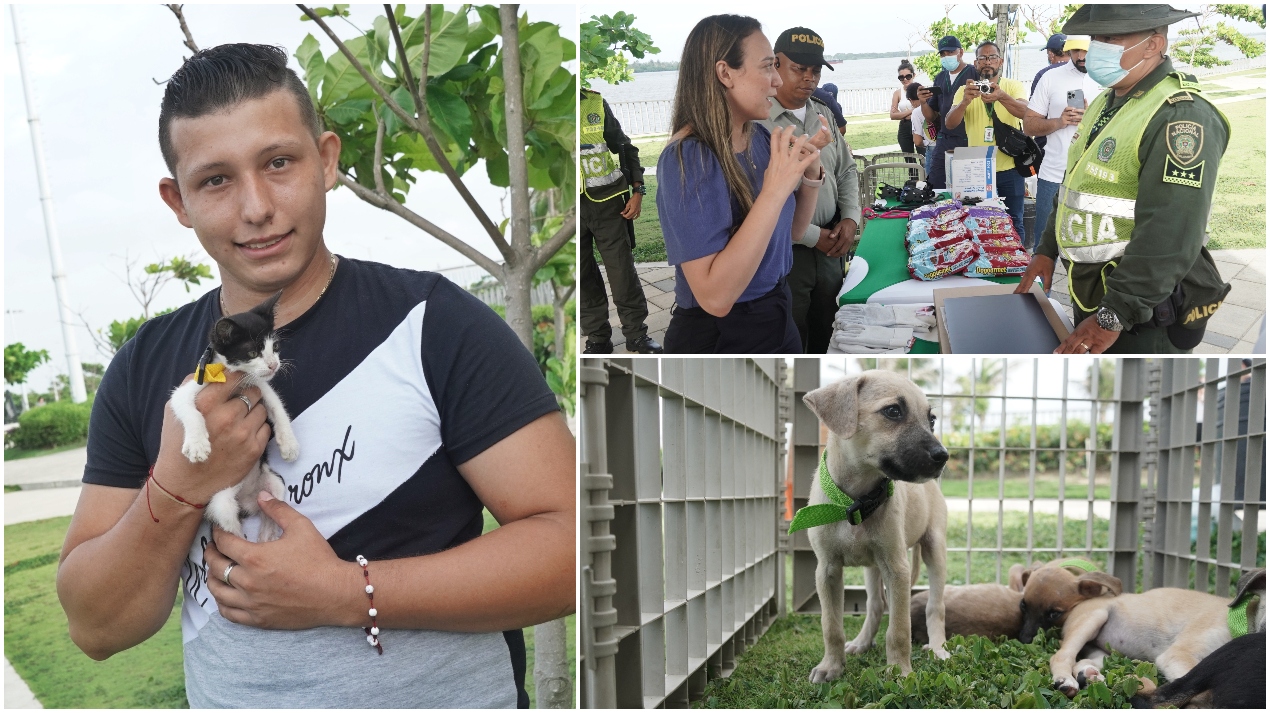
(1191, 176)
(1185, 140)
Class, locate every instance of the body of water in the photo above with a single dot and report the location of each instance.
(851, 74)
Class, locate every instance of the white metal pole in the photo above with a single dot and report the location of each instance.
(74, 369)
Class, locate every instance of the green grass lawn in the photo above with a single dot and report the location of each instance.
(17, 453)
(1239, 206)
(980, 674)
(149, 675)
(986, 486)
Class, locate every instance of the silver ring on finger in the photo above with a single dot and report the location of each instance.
(225, 575)
(247, 401)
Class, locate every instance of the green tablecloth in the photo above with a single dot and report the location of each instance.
(882, 246)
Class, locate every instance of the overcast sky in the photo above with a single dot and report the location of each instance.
(853, 27)
(91, 68)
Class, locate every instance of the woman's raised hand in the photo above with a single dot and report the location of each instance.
(791, 158)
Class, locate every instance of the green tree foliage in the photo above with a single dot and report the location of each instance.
(20, 361)
(969, 33)
(464, 97)
(450, 65)
(1046, 20)
(1195, 46)
(181, 269)
(605, 41)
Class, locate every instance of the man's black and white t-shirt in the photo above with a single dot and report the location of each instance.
(395, 377)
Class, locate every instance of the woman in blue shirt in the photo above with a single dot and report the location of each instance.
(731, 196)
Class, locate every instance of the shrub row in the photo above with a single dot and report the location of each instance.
(1048, 436)
(60, 423)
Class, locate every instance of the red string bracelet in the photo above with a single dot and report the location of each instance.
(372, 631)
(170, 494)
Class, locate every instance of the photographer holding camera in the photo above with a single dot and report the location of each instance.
(978, 103)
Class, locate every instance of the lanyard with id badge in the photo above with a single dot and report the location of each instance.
(988, 131)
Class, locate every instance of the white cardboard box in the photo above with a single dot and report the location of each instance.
(972, 171)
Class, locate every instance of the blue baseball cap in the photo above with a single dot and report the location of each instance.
(948, 42)
(1055, 43)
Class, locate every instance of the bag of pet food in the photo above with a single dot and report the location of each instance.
(936, 259)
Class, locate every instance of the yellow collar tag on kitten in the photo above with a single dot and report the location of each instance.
(210, 372)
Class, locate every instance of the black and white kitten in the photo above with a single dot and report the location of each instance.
(244, 343)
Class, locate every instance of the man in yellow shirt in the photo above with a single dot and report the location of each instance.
(976, 108)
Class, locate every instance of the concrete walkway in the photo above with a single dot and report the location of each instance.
(16, 693)
(50, 486)
(1233, 330)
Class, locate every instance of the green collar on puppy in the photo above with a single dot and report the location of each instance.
(1078, 563)
(843, 506)
(1237, 617)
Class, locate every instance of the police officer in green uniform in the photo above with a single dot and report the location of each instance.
(819, 262)
(1130, 217)
(611, 194)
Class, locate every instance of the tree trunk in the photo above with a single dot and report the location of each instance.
(551, 666)
(558, 306)
(517, 282)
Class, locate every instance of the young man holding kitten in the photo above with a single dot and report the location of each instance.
(413, 406)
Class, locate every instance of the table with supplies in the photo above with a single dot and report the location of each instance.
(949, 244)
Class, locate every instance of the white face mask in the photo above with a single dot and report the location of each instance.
(1102, 62)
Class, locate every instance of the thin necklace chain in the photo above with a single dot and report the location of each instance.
(329, 278)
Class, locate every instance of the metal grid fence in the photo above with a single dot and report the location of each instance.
(1219, 505)
(681, 571)
(987, 441)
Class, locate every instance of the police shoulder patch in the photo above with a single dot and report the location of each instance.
(1190, 176)
(1185, 140)
(1180, 97)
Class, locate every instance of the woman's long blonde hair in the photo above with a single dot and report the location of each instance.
(701, 103)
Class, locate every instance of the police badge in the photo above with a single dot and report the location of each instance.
(1106, 149)
(1185, 140)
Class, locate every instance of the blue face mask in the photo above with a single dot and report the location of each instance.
(948, 63)
(1103, 62)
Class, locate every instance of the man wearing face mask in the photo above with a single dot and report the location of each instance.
(954, 75)
(1130, 216)
(1051, 118)
(819, 261)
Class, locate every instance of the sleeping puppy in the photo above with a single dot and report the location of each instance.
(989, 610)
(1233, 676)
(1174, 628)
(884, 457)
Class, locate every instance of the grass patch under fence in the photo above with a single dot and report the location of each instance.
(980, 674)
(987, 485)
(149, 675)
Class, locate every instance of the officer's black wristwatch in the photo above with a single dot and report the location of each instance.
(1108, 320)
(640, 189)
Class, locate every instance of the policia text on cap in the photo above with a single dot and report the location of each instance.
(1130, 216)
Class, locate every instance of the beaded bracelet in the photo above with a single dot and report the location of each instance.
(171, 496)
(372, 632)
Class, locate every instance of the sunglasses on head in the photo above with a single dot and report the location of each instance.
(906, 76)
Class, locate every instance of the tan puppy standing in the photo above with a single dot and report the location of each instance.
(881, 427)
(1175, 628)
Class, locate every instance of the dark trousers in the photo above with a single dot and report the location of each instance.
(814, 282)
(905, 138)
(604, 227)
(1010, 187)
(763, 325)
(1146, 341)
(935, 174)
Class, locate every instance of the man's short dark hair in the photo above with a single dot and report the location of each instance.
(985, 43)
(220, 77)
